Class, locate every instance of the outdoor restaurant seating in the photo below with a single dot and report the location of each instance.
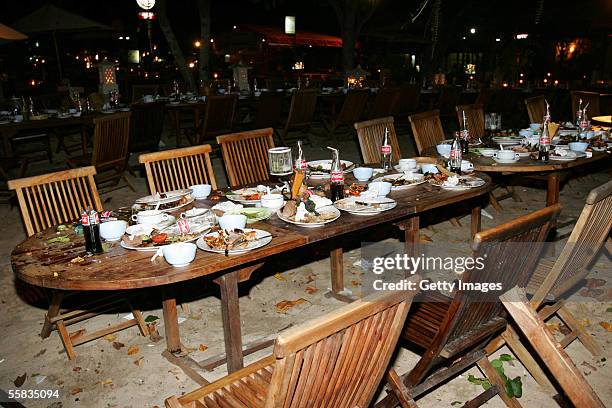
(426, 130)
(54, 199)
(301, 112)
(245, 156)
(590, 98)
(218, 117)
(474, 113)
(351, 110)
(407, 102)
(110, 149)
(335, 360)
(536, 108)
(370, 134)
(383, 104)
(269, 110)
(452, 329)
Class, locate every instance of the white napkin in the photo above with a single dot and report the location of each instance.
(320, 201)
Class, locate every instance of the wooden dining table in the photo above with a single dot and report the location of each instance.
(49, 265)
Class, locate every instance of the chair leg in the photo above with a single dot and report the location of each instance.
(54, 309)
(141, 323)
(400, 390)
(494, 202)
(495, 379)
(124, 177)
(65, 336)
(185, 308)
(575, 326)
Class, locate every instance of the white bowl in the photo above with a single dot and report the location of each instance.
(429, 168)
(232, 221)
(382, 187)
(526, 132)
(179, 254)
(363, 173)
(487, 152)
(578, 146)
(444, 149)
(200, 191)
(113, 230)
(535, 126)
(274, 201)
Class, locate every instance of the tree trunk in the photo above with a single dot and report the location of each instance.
(179, 58)
(204, 63)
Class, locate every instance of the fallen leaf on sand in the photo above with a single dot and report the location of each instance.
(310, 290)
(425, 238)
(77, 334)
(594, 293)
(355, 283)
(133, 350)
(108, 381)
(77, 369)
(606, 325)
(590, 366)
(40, 353)
(202, 347)
(278, 276)
(117, 345)
(284, 305)
(20, 380)
(75, 391)
(592, 283)
(311, 278)
(110, 337)
(139, 361)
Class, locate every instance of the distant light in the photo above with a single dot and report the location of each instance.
(378, 70)
(548, 74)
(146, 4)
(289, 24)
(521, 75)
(464, 37)
(212, 40)
(498, 40)
(228, 58)
(522, 36)
(505, 84)
(37, 44)
(545, 80)
(472, 30)
(197, 44)
(234, 27)
(146, 15)
(556, 82)
(127, 37)
(191, 65)
(309, 45)
(520, 81)
(263, 40)
(96, 57)
(43, 61)
(215, 75)
(121, 37)
(33, 82)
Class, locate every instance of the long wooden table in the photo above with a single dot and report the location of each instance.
(39, 263)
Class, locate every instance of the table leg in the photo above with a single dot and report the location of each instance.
(476, 221)
(552, 193)
(337, 270)
(411, 235)
(84, 140)
(230, 313)
(171, 327)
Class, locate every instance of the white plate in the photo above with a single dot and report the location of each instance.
(505, 161)
(329, 208)
(326, 165)
(262, 238)
(155, 248)
(404, 187)
(399, 169)
(349, 205)
(237, 195)
(472, 182)
(170, 196)
(578, 155)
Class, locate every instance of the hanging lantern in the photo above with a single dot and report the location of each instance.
(146, 4)
(107, 78)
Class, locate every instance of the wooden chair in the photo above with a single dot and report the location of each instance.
(426, 129)
(384, 103)
(53, 199)
(536, 108)
(407, 101)
(218, 117)
(573, 383)
(268, 110)
(453, 330)
(245, 155)
(592, 98)
(179, 168)
(110, 149)
(301, 112)
(336, 360)
(138, 91)
(351, 111)
(370, 134)
(448, 100)
(474, 114)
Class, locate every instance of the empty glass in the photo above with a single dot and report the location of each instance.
(493, 121)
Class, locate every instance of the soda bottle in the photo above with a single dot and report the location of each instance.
(300, 161)
(337, 177)
(579, 113)
(544, 147)
(87, 232)
(94, 232)
(465, 136)
(455, 155)
(385, 152)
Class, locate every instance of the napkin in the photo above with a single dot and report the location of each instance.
(320, 201)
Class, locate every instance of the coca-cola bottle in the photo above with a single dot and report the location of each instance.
(544, 146)
(386, 152)
(465, 136)
(455, 155)
(579, 113)
(300, 161)
(336, 177)
(91, 231)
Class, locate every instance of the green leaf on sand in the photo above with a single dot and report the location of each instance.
(151, 318)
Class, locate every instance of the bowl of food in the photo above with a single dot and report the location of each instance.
(444, 149)
(179, 254)
(273, 201)
(363, 173)
(113, 230)
(382, 187)
(578, 146)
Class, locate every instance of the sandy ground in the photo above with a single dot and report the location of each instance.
(136, 375)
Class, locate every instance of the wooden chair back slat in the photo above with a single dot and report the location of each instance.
(268, 110)
(426, 129)
(146, 126)
(370, 134)
(110, 141)
(54, 198)
(536, 108)
(245, 155)
(218, 117)
(509, 253)
(407, 100)
(474, 114)
(179, 168)
(384, 103)
(301, 111)
(586, 240)
(353, 106)
(592, 98)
